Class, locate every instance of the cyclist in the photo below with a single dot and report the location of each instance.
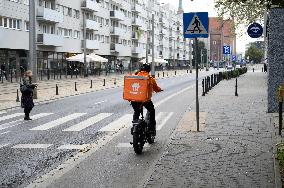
(137, 106)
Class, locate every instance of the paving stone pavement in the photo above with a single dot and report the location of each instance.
(236, 148)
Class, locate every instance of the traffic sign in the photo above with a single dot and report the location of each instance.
(195, 25)
(234, 58)
(226, 49)
(255, 30)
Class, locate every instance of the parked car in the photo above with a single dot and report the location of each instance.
(229, 67)
(238, 66)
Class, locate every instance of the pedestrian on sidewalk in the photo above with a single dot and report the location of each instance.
(3, 70)
(27, 88)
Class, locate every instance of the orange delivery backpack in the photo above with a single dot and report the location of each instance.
(137, 88)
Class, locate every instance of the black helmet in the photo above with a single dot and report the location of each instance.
(145, 67)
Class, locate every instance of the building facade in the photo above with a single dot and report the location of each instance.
(119, 30)
(215, 35)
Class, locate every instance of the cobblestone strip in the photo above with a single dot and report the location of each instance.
(236, 148)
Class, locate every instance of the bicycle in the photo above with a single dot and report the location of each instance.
(141, 133)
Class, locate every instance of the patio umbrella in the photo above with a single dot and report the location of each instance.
(80, 58)
(98, 58)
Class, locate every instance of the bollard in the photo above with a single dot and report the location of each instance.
(262, 69)
(48, 74)
(208, 80)
(76, 86)
(252, 69)
(40, 74)
(60, 73)
(280, 100)
(91, 84)
(114, 81)
(17, 99)
(56, 89)
(175, 72)
(203, 91)
(236, 90)
(212, 81)
(104, 82)
(206, 85)
(163, 74)
(11, 75)
(158, 75)
(167, 74)
(186, 71)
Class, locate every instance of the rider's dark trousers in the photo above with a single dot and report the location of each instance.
(137, 106)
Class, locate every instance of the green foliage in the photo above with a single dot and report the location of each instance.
(255, 54)
(201, 47)
(245, 11)
(139, 32)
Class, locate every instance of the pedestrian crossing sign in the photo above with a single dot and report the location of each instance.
(195, 25)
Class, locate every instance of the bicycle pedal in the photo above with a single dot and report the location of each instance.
(131, 143)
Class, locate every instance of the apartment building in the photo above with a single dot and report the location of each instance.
(118, 30)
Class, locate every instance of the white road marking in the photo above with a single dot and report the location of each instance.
(3, 112)
(57, 122)
(91, 121)
(5, 132)
(11, 116)
(20, 121)
(164, 121)
(99, 102)
(71, 146)
(124, 121)
(128, 145)
(173, 95)
(32, 146)
(3, 145)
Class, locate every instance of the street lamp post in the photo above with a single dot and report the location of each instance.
(32, 44)
(153, 46)
(84, 44)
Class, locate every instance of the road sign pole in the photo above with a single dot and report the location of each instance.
(196, 69)
(153, 46)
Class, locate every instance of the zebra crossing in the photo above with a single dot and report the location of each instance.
(115, 125)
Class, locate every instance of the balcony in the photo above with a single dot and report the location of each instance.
(137, 50)
(92, 25)
(116, 31)
(90, 5)
(136, 8)
(49, 15)
(137, 22)
(91, 44)
(49, 40)
(117, 15)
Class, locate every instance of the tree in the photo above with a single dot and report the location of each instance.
(201, 47)
(254, 54)
(245, 11)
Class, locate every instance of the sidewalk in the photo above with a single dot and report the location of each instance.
(235, 148)
(66, 87)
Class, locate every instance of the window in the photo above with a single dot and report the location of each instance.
(77, 14)
(26, 2)
(69, 12)
(70, 32)
(27, 25)
(65, 33)
(14, 24)
(10, 23)
(5, 22)
(52, 30)
(44, 29)
(76, 34)
(1, 21)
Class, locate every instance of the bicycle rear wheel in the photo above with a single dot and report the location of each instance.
(137, 143)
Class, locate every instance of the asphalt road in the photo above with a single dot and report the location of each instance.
(83, 141)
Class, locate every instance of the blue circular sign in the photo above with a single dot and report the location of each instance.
(255, 30)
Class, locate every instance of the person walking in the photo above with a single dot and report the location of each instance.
(27, 88)
(3, 70)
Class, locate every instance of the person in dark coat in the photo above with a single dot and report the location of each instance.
(27, 94)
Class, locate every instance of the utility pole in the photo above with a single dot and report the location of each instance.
(147, 43)
(208, 54)
(197, 100)
(32, 44)
(85, 44)
(153, 46)
(190, 55)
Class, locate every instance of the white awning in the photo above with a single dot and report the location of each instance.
(89, 58)
(156, 60)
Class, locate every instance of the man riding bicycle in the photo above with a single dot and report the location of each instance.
(137, 106)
